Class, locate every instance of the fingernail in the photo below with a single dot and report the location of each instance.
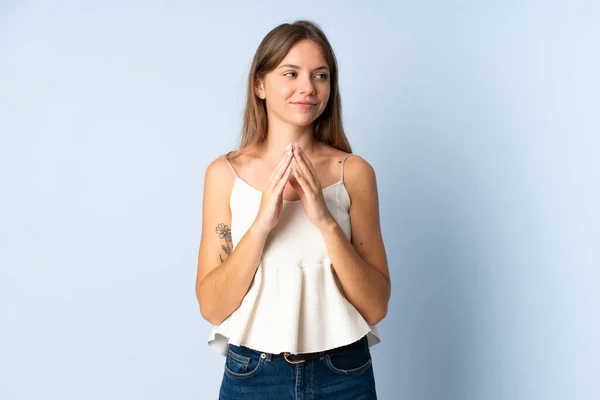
(288, 146)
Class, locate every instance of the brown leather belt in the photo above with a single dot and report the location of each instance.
(300, 358)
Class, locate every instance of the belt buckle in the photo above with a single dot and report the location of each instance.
(291, 362)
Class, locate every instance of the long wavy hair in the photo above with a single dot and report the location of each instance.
(328, 127)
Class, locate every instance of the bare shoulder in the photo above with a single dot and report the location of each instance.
(360, 180)
(356, 166)
(218, 171)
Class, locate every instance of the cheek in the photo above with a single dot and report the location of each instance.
(283, 91)
(325, 91)
(324, 98)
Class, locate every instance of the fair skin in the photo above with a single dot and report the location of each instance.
(285, 85)
(360, 263)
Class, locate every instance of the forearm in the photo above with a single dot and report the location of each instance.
(364, 287)
(222, 290)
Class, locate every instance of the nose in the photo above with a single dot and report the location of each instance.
(306, 85)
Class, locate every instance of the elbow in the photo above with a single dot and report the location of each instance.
(210, 317)
(206, 312)
(380, 311)
(376, 317)
(213, 321)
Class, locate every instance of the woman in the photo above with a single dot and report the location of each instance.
(293, 293)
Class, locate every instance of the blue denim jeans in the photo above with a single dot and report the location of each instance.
(338, 374)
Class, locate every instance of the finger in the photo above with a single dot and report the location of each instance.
(281, 165)
(307, 161)
(281, 184)
(282, 161)
(306, 188)
(309, 174)
(279, 170)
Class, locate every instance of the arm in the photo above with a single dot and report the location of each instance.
(361, 264)
(224, 276)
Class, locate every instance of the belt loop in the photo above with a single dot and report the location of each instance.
(322, 354)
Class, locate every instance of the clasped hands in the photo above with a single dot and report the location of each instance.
(305, 182)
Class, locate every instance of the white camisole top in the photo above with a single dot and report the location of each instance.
(295, 303)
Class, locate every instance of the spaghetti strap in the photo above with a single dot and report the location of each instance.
(343, 161)
(227, 161)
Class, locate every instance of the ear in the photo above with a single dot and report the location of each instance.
(259, 88)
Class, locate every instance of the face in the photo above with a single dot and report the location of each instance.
(301, 77)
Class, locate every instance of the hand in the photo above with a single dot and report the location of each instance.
(308, 186)
(271, 202)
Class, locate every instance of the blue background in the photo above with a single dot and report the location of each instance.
(481, 119)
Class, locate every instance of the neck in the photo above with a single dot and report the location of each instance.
(280, 135)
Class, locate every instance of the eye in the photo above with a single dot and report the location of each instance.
(322, 75)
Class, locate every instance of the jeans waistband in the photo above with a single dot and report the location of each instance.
(315, 355)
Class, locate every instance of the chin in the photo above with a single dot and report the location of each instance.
(303, 123)
(301, 120)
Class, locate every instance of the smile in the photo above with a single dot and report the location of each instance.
(304, 106)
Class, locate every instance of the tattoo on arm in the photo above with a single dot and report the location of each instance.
(224, 233)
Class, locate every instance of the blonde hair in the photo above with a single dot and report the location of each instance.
(328, 127)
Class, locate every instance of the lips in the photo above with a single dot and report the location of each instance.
(304, 104)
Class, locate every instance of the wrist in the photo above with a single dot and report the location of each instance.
(329, 225)
(259, 230)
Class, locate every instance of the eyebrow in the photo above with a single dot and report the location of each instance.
(297, 67)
